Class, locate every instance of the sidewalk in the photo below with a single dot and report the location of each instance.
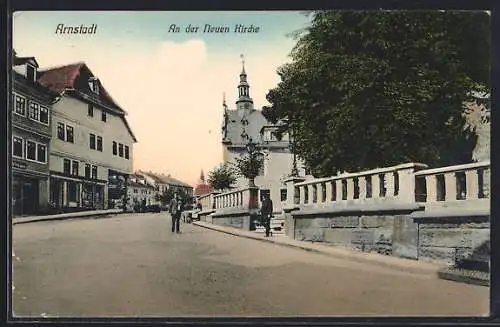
(69, 215)
(414, 266)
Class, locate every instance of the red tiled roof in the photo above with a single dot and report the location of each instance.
(62, 78)
(202, 189)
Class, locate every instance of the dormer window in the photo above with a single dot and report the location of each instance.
(31, 73)
(94, 85)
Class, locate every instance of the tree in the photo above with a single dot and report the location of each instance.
(222, 177)
(249, 166)
(369, 89)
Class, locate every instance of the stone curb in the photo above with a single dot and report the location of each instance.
(462, 277)
(426, 268)
(17, 221)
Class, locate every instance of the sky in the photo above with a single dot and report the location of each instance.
(170, 83)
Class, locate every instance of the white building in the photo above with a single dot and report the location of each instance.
(139, 190)
(245, 124)
(91, 143)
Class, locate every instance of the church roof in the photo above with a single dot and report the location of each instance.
(234, 126)
(203, 189)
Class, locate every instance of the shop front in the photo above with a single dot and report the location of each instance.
(25, 195)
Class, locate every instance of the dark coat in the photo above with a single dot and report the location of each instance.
(267, 207)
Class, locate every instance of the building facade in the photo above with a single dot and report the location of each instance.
(92, 143)
(245, 124)
(31, 111)
(164, 182)
(140, 191)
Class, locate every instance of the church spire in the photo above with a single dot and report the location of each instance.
(244, 101)
(202, 177)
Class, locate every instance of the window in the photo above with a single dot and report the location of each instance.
(94, 85)
(72, 191)
(120, 150)
(114, 148)
(44, 115)
(74, 170)
(31, 73)
(20, 105)
(283, 194)
(34, 111)
(103, 116)
(30, 150)
(60, 131)
(94, 171)
(41, 153)
(99, 143)
(69, 134)
(87, 170)
(92, 141)
(67, 166)
(90, 110)
(17, 147)
(126, 152)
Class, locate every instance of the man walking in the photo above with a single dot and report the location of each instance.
(175, 213)
(267, 213)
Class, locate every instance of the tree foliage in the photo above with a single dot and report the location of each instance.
(368, 89)
(168, 195)
(222, 177)
(249, 165)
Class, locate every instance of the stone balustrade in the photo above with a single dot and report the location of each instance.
(238, 208)
(396, 183)
(232, 199)
(454, 183)
(208, 201)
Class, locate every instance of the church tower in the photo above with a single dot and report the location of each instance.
(244, 101)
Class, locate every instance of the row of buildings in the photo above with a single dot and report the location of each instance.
(147, 187)
(72, 147)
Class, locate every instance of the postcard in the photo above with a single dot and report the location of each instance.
(250, 164)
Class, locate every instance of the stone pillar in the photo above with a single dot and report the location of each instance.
(290, 190)
(310, 191)
(350, 188)
(329, 190)
(450, 182)
(362, 187)
(319, 190)
(253, 208)
(302, 200)
(431, 188)
(338, 185)
(472, 185)
(375, 186)
(389, 184)
(407, 182)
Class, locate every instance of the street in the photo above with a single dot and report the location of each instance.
(132, 265)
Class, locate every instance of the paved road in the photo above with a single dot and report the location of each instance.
(132, 265)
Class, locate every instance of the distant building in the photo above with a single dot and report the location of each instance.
(92, 143)
(139, 190)
(246, 124)
(164, 182)
(31, 108)
(202, 188)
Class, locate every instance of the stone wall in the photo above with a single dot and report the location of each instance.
(454, 239)
(384, 234)
(231, 221)
(450, 240)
